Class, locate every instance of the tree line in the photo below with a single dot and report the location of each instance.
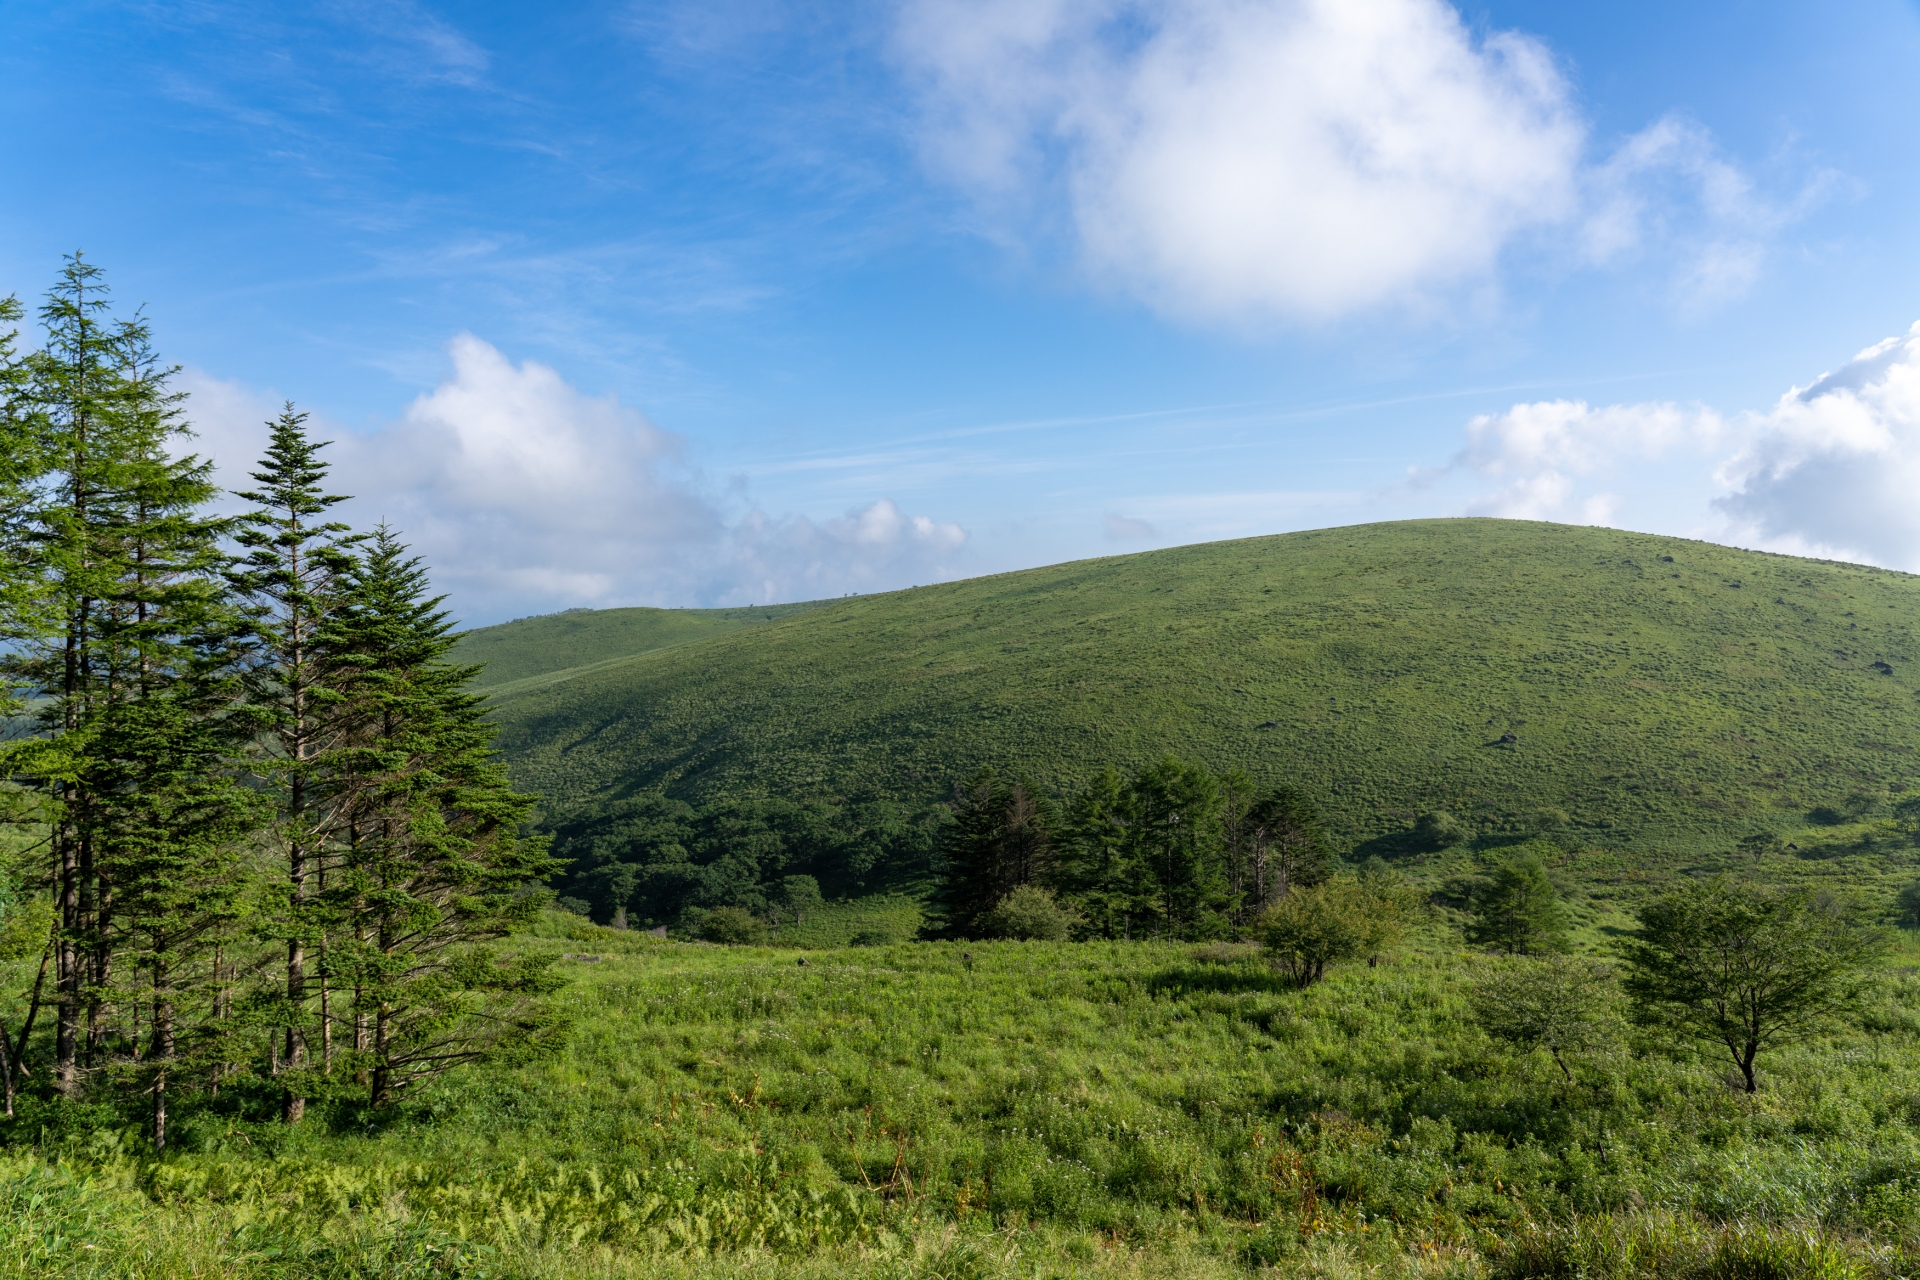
(648, 859)
(1173, 851)
(257, 825)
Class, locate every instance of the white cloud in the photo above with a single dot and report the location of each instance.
(525, 495)
(1242, 159)
(1834, 468)
(1541, 451)
(1121, 528)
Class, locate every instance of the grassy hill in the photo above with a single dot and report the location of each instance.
(531, 651)
(1636, 688)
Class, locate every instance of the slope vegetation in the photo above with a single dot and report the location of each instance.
(531, 651)
(1634, 687)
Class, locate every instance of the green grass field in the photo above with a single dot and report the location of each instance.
(1019, 1110)
(1136, 1110)
(1659, 693)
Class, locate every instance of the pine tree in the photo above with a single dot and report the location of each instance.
(1175, 829)
(1290, 846)
(430, 857)
(294, 562)
(1096, 869)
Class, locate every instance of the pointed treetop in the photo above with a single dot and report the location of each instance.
(291, 473)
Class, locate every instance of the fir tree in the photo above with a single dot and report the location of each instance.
(293, 564)
(1175, 830)
(430, 857)
(122, 561)
(1290, 846)
(1095, 866)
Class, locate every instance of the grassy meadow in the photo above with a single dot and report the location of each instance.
(1643, 692)
(1008, 1109)
(1146, 1110)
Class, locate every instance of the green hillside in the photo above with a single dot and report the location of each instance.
(1637, 688)
(531, 650)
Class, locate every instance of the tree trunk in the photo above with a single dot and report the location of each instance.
(381, 1093)
(162, 1053)
(6, 1067)
(293, 1106)
(66, 982)
(33, 1011)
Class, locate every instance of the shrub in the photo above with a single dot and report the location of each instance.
(1439, 831)
(731, 926)
(1030, 913)
(1907, 907)
(871, 938)
(1560, 1004)
(1341, 919)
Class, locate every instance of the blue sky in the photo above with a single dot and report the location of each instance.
(743, 300)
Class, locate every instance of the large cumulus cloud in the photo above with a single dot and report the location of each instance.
(526, 494)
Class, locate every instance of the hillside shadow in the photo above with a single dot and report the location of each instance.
(1397, 846)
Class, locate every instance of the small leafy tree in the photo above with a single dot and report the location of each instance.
(1906, 817)
(1030, 913)
(1563, 1004)
(1339, 919)
(799, 894)
(731, 927)
(1744, 967)
(1907, 906)
(1517, 911)
(1439, 830)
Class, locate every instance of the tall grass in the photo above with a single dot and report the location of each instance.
(1078, 1108)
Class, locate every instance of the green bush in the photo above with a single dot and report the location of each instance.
(1439, 831)
(1031, 914)
(731, 926)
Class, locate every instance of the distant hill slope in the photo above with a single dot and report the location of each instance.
(563, 644)
(1649, 688)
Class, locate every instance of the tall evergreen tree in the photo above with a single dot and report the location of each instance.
(293, 564)
(1290, 846)
(1095, 868)
(122, 560)
(1000, 838)
(430, 860)
(1175, 829)
(1517, 911)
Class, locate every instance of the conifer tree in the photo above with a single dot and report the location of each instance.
(121, 559)
(1096, 856)
(294, 560)
(1517, 911)
(1290, 846)
(429, 856)
(1000, 838)
(1174, 824)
